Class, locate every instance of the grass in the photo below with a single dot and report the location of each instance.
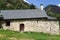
(13, 35)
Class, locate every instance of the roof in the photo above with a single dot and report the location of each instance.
(22, 14)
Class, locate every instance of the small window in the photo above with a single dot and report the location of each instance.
(8, 23)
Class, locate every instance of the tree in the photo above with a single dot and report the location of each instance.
(32, 6)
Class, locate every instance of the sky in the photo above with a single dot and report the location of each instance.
(45, 2)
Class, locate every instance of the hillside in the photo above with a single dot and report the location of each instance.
(14, 4)
(53, 10)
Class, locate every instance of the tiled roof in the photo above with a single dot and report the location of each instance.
(22, 14)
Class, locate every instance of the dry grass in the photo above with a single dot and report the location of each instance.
(12, 38)
(26, 39)
(2, 35)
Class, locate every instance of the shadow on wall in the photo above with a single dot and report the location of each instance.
(1, 25)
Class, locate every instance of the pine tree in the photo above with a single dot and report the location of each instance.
(32, 6)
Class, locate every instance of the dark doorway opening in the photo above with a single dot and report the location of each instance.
(1, 27)
(21, 27)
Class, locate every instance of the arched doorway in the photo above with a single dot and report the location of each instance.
(21, 27)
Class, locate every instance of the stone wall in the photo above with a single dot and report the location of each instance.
(45, 26)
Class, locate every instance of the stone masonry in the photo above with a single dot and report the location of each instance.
(44, 26)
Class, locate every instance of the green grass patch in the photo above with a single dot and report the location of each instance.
(13, 35)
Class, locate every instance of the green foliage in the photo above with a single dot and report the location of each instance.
(13, 35)
(14, 4)
(32, 6)
(53, 10)
(56, 15)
